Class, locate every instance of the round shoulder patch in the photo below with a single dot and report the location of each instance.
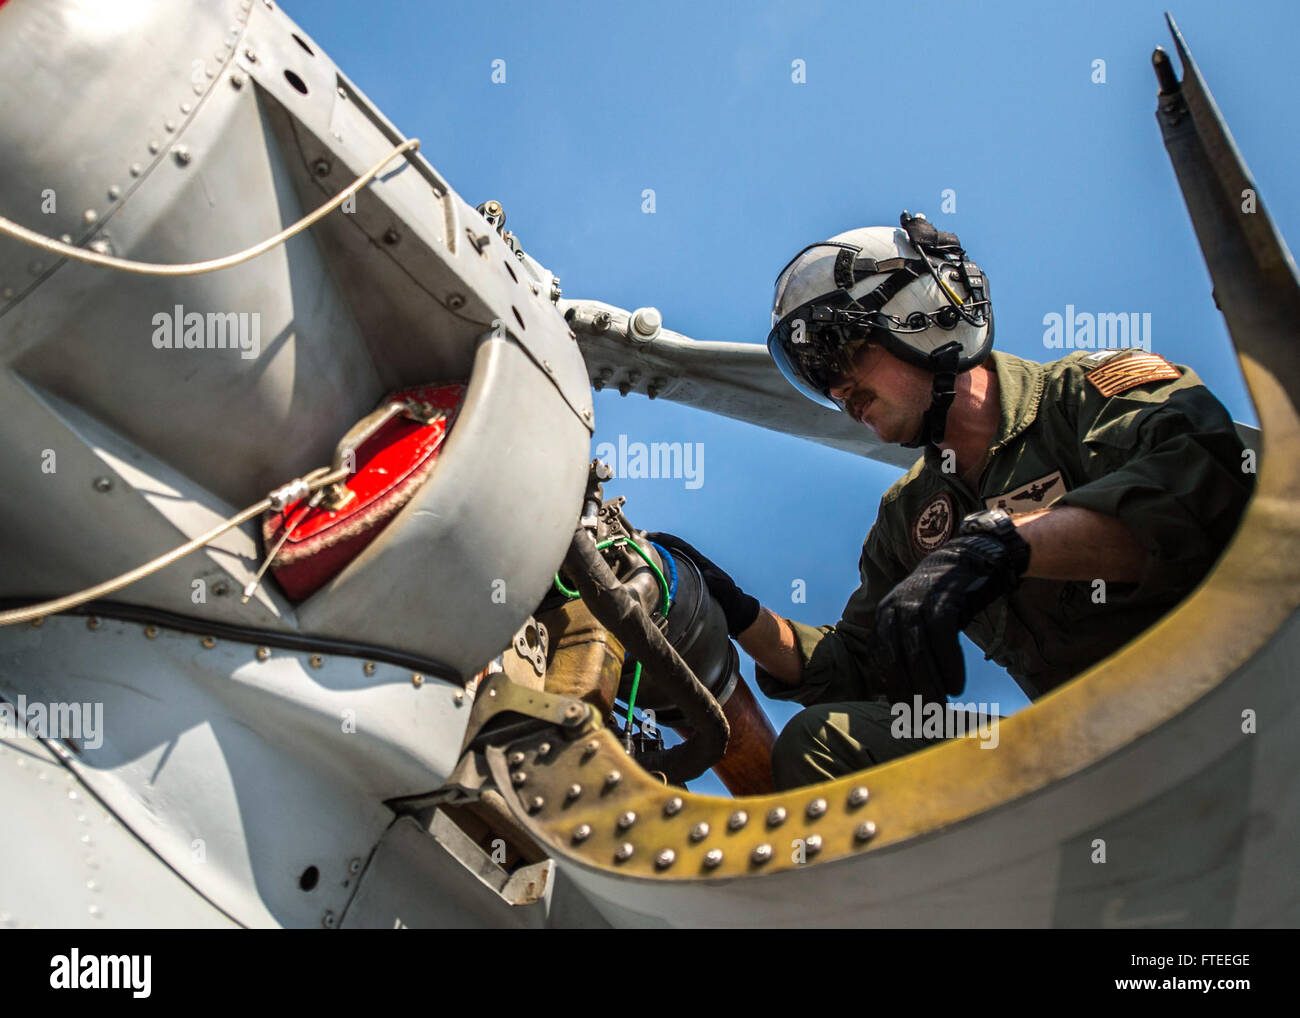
(933, 524)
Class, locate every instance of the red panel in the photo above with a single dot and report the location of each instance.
(391, 466)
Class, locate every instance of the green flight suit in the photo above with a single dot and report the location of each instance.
(1163, 456)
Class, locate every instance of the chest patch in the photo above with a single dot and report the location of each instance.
(1030, 497)
(933, 524)
(1119, 374)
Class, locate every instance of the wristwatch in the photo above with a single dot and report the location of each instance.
(996, 523)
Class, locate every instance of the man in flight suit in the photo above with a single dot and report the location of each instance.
(1057, 510)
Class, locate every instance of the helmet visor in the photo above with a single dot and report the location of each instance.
(815, 360)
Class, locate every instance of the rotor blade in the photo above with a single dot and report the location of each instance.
(737, 380)
(1254, 276)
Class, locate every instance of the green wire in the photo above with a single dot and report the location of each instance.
(631, 700)
(663, 590)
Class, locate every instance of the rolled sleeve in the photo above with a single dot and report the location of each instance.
(1168, 463)
(837, 659)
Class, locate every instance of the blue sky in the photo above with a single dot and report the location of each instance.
(1064, 195)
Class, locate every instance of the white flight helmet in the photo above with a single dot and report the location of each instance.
(910, 289)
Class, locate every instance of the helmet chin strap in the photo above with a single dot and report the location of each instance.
(943, 362)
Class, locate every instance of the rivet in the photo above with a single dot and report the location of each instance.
(865, 831)
(182, 155)
(858, 796)
(586, 415)
(575, 714)
(252, 57)
(417, 680)
(816, 808)
(328, 920)
(535, 803)
(368, 668)
(186, 107)
(321, 167)
(572, 792)
(518, 778)
(263, 653)
(354, 865)
(673, 806)
(700, 831)
(102, 484)
(237, 80)
(582, 832)
(776, 816)
(737, 820)
(626, 820)
(612, 779)
(543, 748)
(761, 853)
(458, 698)
(391, 236)
(150, 632)
(515, 758)
(169, 126)
(92, 622)
(100, 246)
(546, 366)
(90, 216)
(813, 844)
(713, 858)
(343, 92)
(455, 301)
(624, 852)
(36, 268)
(316, 661)
(665, 858)
(114, 192)
(154, 147)
(590, 748)
(208, 642)
(37, 622)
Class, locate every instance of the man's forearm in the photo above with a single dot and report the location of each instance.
(770, 642)
(1071, 543)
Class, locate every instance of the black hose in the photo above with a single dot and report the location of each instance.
(619, 611)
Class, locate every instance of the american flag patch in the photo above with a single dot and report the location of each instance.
(1120, 374)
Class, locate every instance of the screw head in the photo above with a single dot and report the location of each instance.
(572, 792)
(713, 858)
(543, 748)
(328, 920)
(535, 803)
(665, 858)
(624, 852)
(321, 167)
(582, 832)
(518, 778)
(151, 632)
(208, 642)
(865, 831)
(813, 844)
(263, 653)
(417, 680)
(316, 661)
(102, 484)
(354, 866)
(612, 779)
(590, 748)
(858, 796)
(673, 806)
(737, 820)
(776, 816)
(626, 819)
(515, 758)
(574, 714)
(700, 831)
(455, 301)
(761, 854)
(368, 668)
(816, 808)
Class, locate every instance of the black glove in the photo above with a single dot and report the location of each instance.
(918, 621)
(739, 608)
